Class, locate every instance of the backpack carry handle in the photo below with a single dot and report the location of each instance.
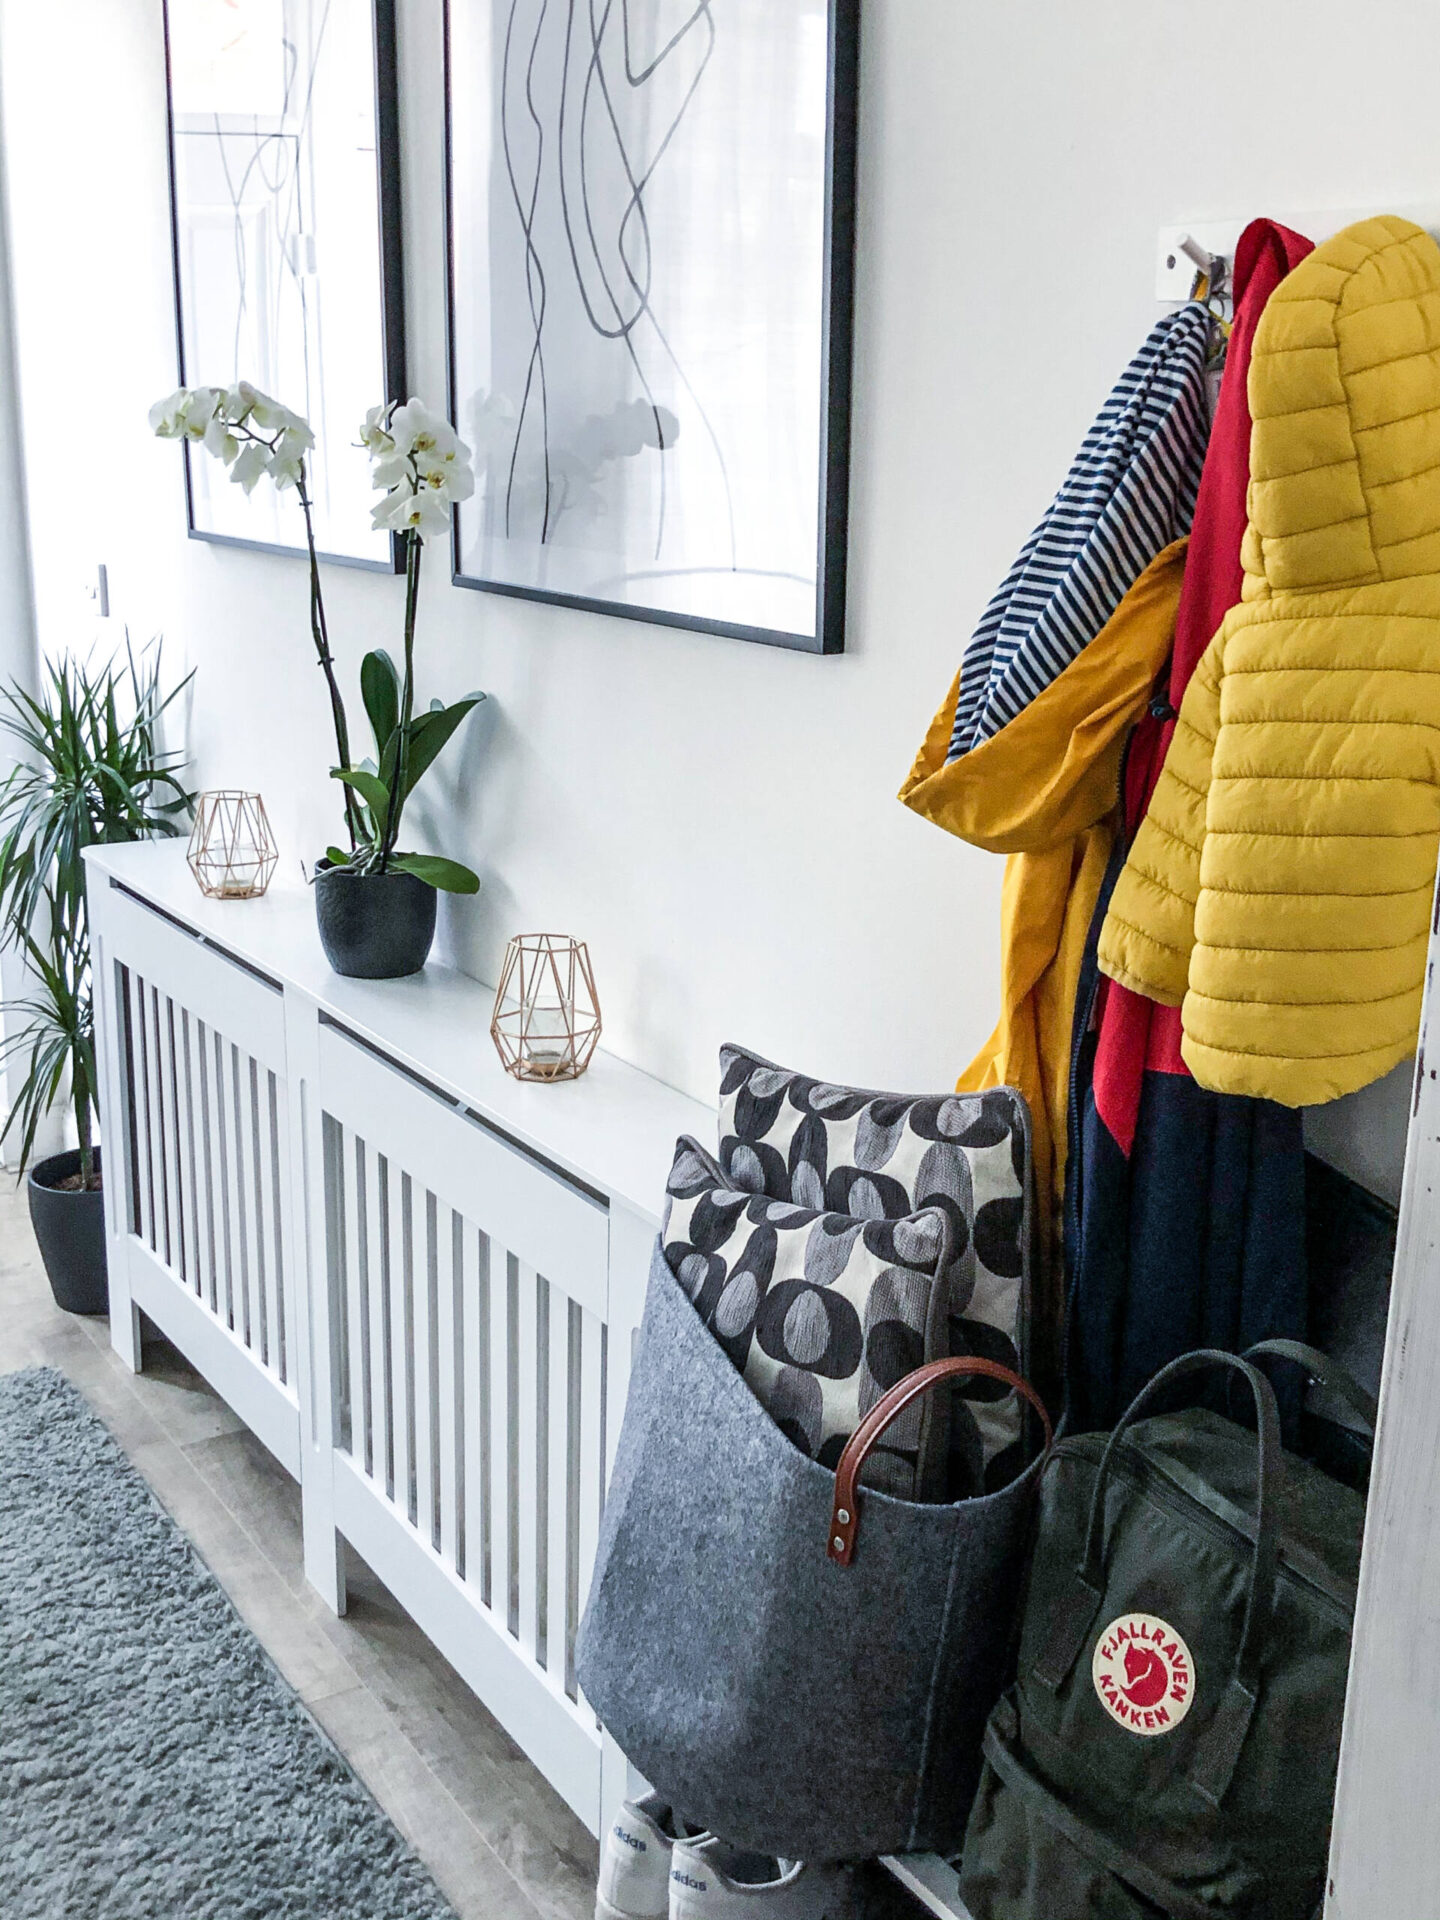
(1219, 1749)
(1261, 1597)
(1326, 1373)
(845, 1509)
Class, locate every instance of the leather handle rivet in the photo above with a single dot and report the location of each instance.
(839, 1544)
(843, 1517)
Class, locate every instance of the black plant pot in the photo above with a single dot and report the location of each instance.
(374, 926)
(70, 1228)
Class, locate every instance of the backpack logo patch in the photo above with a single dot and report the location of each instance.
(1143, 1673)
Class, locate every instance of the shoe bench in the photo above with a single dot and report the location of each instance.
(418, 1282)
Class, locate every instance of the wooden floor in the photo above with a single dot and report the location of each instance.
(500, 1843)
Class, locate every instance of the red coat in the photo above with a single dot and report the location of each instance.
(1136, 1034)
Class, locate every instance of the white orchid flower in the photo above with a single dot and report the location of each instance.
(375, 434)
(229, 422)
(167, 416)
(268, 414)
(239, 403)
(452, 477)
(391, 471)
(219, 440)
(454, 458)
(251, 434)
(286, 473)
(415, 430)
(419, 513)
(251, 465)
(198, 411)
(295, 442)
(420, 463)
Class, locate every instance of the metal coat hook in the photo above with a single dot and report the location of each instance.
(1210, 285)
(1193, 250)
(1191, 256)
(1212, 271)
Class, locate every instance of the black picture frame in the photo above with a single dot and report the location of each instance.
(837, 343)
(392, 276)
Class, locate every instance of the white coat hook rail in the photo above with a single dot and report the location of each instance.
(1183, 251)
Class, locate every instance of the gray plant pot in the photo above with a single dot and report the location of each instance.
(374, 926)
(70, 1229)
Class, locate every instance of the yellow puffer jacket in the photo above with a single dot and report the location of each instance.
(1279, 890)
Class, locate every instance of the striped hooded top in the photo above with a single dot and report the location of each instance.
(1129, 493)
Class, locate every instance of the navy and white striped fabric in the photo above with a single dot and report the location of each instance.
(1130, 492)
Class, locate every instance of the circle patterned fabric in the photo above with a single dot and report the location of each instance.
(822, 1313)
(875, 1157)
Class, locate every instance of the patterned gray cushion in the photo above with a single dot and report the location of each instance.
(820, 1312)
(883, 1155)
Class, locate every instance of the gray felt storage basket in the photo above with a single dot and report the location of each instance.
(795, 1705)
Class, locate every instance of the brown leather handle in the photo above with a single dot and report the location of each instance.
(845, 1512)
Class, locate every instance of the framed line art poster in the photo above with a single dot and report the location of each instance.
(285, 198)
(651, 214)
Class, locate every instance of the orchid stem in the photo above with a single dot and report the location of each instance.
(327, 661)
(413, 550)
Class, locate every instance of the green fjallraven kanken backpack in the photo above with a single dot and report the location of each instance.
(1170, 1745)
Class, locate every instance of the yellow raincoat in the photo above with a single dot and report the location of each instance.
(1044, 790)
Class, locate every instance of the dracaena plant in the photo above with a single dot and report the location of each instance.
(423, 469)
(90, 772)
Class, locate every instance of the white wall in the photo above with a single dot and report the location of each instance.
(717, 819)
(17, 626)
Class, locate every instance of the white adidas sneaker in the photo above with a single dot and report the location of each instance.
(635, 1861)
(711, 1880)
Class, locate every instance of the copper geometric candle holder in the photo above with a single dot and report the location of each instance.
(232, 850)
(547, 1014)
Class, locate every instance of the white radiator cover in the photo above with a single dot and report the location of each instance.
(416, 1279)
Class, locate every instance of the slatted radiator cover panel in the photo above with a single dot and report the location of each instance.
(207, 1147)
(471, 1396)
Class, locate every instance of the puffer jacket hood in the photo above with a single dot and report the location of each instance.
(1279, 889)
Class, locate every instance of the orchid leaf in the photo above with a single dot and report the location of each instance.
(448, 875)
(389, 759)
(371, 789)
(380, 690)
(430, 733)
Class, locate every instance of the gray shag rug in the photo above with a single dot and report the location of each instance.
(153, 1763)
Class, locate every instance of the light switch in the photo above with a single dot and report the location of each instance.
(97, 589)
